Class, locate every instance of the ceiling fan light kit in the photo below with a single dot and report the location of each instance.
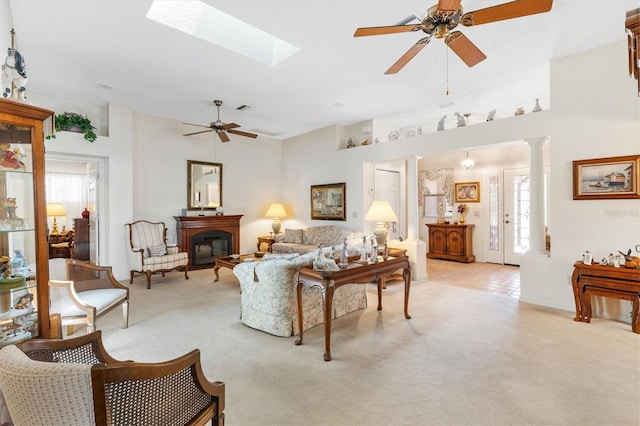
(445, 16)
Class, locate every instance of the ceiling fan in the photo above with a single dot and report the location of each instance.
(221, 128)
(442, 18)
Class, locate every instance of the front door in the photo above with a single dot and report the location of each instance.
(516, 211)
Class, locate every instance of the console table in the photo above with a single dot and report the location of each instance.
(354, 273)
(606, 281)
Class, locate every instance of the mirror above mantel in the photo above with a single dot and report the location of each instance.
(204, 185)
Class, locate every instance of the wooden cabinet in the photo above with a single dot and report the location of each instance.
(81, 239)
(24, 282)
(451, 242)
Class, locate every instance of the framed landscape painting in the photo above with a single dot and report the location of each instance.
(467, 192)
(328, 201)
(606, 178)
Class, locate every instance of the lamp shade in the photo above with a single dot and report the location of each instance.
(381, 211)
(56, 209)
(276, 210)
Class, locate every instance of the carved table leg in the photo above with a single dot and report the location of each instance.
(327, 304)
(215, 271)
(300, 316)
(406, 274)
(380, 283)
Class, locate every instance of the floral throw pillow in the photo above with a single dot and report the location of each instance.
(293, 236)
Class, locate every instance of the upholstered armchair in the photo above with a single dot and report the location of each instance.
(75, 381)
(268, 295)
(82, 292)
(149, 252)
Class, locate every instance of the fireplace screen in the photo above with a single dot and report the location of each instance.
(206, 246)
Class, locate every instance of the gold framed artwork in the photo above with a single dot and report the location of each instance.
(467, 192)
(328, 202)
(606, 178)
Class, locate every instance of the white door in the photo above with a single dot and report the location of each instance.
(92, 205)
(515, 211)
(388, 188)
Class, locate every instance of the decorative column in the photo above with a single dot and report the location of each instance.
(412, 198)
(536, 207)
(416, 249)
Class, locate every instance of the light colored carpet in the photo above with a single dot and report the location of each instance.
(465, 358)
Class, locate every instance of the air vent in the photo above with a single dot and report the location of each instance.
(272, 133)
(243, 107)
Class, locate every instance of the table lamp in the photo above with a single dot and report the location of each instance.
(381, 213)
(55, 209)
(276, 211)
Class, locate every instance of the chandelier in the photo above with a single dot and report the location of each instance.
(467, 163)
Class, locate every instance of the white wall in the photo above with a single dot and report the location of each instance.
(596, 114)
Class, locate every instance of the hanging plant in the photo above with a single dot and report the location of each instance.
(73, 122)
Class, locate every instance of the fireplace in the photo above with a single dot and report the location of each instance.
(208, 237)
(208, 245)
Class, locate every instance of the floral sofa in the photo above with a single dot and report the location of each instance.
(268, 295)
(307, 239)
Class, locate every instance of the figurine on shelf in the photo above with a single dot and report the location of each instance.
(14, 73)
(441, 123)
(85, 213)
(461, 120)
(24, 302)
(350, 143)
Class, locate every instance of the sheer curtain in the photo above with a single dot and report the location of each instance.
(70, 189)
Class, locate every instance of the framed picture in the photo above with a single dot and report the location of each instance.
(328, 201)
(467, 192)
(606, 178)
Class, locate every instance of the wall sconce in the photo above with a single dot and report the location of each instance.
(55, 209)
(467, 163)
(276, 211)
(381, 213)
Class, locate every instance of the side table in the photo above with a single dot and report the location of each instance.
(268, 240)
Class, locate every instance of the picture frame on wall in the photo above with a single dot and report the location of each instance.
(467, 192)
(606, 178)
(328, 202)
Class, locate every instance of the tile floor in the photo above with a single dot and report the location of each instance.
(487, 277)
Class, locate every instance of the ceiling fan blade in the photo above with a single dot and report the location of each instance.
(199, 125)
(464, 48)
(230, 126)
(514, 9)
(223, 137)
(450, 5)
(404, 59)
(196, 133)
(393, 29)
(241, 133)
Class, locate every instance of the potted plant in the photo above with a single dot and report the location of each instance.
(73, 122)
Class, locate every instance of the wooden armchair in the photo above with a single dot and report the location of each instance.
(149, 253)
(101, 390)
(82, 292)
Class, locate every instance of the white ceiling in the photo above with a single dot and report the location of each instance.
(73, 47)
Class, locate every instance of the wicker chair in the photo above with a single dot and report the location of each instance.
(149, 252)
(101, 390)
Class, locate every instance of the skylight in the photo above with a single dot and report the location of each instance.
(214, 26)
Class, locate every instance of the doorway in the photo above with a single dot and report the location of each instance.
(92, 194)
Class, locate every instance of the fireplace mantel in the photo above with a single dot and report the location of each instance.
(190, 226)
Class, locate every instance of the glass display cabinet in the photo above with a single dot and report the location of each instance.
(24, 272)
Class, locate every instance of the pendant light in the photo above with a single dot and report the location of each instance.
(467, 163)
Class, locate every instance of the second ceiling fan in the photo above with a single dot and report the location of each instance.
(442, 18)
(221, 128)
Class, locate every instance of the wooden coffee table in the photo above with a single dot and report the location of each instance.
(355, 273)
(229, 262)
